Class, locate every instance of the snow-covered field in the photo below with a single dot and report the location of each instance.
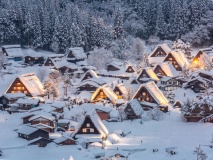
(173, 131)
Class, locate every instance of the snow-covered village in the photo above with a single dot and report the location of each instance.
(106, 80)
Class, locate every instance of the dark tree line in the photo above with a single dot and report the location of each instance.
(58, 24)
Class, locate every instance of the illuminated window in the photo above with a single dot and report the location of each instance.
(117, 92)
(19, 88)
(147, 98)
(14, 88)
(144, 93)
(22, 88)
(29, 58)
(18, 84)
(25, 92)
(13, 92)
(36, 58)
(84, 130)
(139, 98)
(88, 124)
(170, 59)
(91, 130)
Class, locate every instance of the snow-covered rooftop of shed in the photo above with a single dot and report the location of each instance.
(14, 50)
(85, 95)
(25, 129)
(42, 116)
(42, 126)
(27, 101)
(78, 52)
(58, 104)
(61, 139)
(90, 106)
(14, 95)
(64, 63)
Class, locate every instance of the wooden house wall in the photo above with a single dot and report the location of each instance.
(68, 142)
(144, 95)
(70, 55)
(85, 129)
(44, 121)
(26, 119)
(36, 134)
(173, 61)
(130, 69)
(143, 75)
(34, 60)
(112, 68)
(87, 87)
(159, 52)
(101, 95)
(118, 92)
(103, 115)
(196, 86)
(17, 86)
(87, 76)
(48, 62)
(130, 112)
(41, 142)
(206, 76)
(59, 110)
(158, 71)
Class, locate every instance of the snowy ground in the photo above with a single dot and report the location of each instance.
(173, 131)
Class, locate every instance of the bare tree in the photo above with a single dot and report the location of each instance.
(42, 74)
(129, 93)
(200, 155)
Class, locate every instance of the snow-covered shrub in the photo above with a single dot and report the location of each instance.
(155, 114)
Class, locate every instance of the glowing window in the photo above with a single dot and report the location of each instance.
(91, 130)
(84, 130)
(88, 124)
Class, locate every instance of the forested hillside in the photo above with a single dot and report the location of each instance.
(58, 24)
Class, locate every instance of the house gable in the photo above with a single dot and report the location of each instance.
(159, 52)
(49, 62)
(130, 69)
(100, 95)
(18, 86)
(112, 68)
(88, 127)
(144, 95)
(173, 61)
(88, 75)
(70, 55)
(196, 59)
(158, 71)
(143, 74)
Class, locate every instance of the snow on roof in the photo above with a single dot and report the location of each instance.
(27, 101)
(135, 105)
(78, 52)
(108, 91)
(56, 55)
(64, 63)
(164, 46)
(180, 58)
(98, 123)
(43, 116)
(14, 95)
(148, 104)
(62, 139)
(114, 113)
(92, 114)
(99, 81)
(122, 88)
(14, 51)
(42, 126)
(58, 104)
(92, 83)
(32, 83)
(12, 46)
(150, 73)
(169, 69)
(85, 95)
(165, 78)
(111, 153)
(92, 73)
(155, 92)
(90, 106)
(27, 129)
(32, 53)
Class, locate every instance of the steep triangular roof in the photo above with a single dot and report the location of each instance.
(90, 72)
(154, 91)
(77, 53)
(149, 71)
(108, 92)
(32, 83)
(92, 115)
(168, 68)
(179, 57)
(163, 46)
(135, 105)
